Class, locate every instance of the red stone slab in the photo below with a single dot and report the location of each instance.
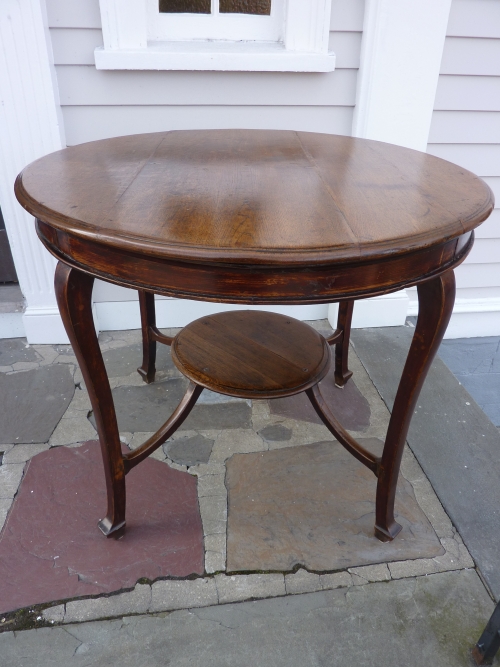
(51, 548)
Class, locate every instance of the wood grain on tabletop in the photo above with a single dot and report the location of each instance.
(255, 196)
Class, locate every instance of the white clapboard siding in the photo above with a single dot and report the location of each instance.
(478, 275)
(92, 123)
(468, 93)
(73, 13)
(471, 55)
(482, 159)
(474, 18)
(491, 228)
(87, 86)
(76, 46)
(485, 251)
(465, 127)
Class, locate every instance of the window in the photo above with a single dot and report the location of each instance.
(238, 35)
(231, 20)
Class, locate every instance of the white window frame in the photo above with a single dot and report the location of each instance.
(301, 45)
(165, 27)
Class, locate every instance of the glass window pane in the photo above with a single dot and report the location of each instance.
(185, 6)
(245, 7)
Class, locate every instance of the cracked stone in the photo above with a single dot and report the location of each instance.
(234, 588)
(71, 430)
(335, 580)
(211, 485)
(276, 433)
(314, 505)
(215, 561)
(16, 350)
(54, 614)
(235, 441)
(133, 602)
(213, 508)
(22, 453)
(169, 595)
(302, 582)
(370, 573)
(33, 402)
(189, 451)
(51, 548)
(10, 478)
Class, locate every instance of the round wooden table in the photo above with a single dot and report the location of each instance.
(253, 217)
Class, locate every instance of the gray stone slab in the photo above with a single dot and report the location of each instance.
(14, 350)
(122, 361)
(146, 408)
(432, 620)
(485, 390)
(471, 355)
(456, 444)
(33, 402)
(276, 433)
(189, 451)
(314, 505)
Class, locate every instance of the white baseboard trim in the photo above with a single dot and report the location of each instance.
(43, 326)
(11, 325)
(471, 318)
(388, 310)
(120, 315)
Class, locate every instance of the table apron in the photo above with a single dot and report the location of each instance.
(254, 284)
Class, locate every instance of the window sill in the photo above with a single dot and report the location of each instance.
(226, 56)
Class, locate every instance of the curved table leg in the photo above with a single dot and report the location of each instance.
(344, 319)
(148, 320)
(74, 298)
(436, 298)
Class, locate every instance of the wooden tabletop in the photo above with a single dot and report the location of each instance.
(254, 196)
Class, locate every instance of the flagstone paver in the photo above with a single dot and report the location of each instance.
(314, 506)
(15, 350)
(33, 402)
(51, 548)
(232, 427)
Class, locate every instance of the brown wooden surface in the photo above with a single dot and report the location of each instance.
(249, 217)
(254, 196)
(251, 354)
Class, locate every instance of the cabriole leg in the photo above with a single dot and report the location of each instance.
(148, 320)
(436, 298)
(74, 297)
(344, 318)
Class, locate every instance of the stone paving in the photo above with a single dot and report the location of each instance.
(219, 433)
(219, 429)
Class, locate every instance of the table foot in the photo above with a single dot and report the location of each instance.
(109, 530)
(74, 297)
(436, 298)
(388, 534)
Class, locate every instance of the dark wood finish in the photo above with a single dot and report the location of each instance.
(148, 321)
(74, 298)
(436, 298)
(253, 217)
(251, 354)
(342, 372)
(277, 198)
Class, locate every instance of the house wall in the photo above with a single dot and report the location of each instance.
(100, 103)
(466, 129)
